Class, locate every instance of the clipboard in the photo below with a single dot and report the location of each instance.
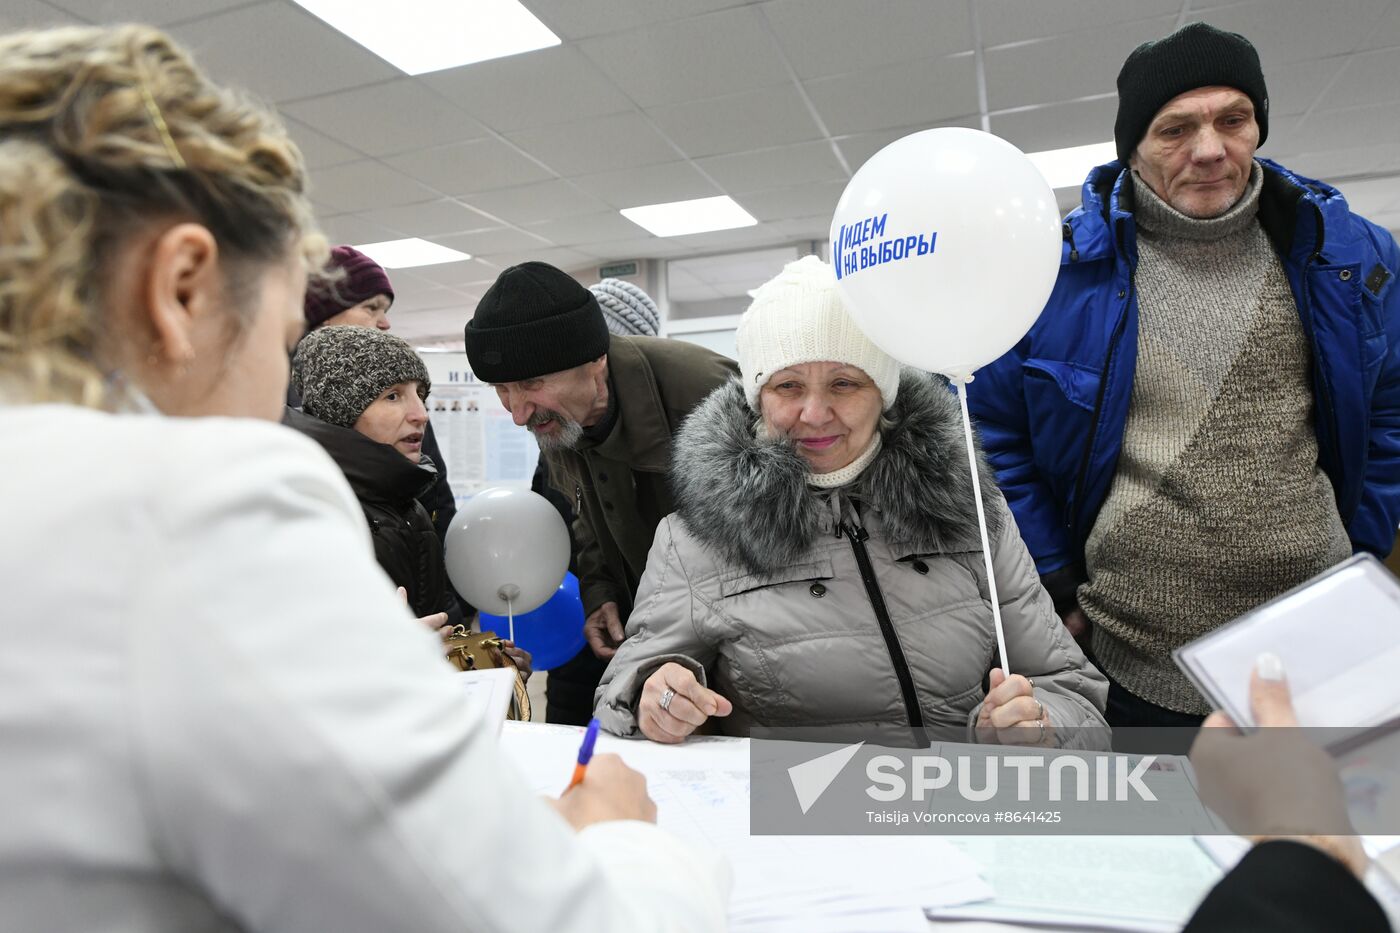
(1338, 635)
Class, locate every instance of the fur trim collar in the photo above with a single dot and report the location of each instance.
(748, 500)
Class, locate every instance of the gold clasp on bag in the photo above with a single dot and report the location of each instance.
(482, 651)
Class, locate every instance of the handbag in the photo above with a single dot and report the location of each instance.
(480, 651)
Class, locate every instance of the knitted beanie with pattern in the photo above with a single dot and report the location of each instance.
(627, 309)
(798, 317)
(340, 371)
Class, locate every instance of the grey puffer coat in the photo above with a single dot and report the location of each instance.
(863, 605)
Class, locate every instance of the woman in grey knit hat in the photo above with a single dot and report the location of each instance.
(363, 394)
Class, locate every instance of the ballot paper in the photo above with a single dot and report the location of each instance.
(830, 884)
(1339, 638)
(489, 692)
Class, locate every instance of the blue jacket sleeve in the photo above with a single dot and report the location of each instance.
(996, 400)
(1373, 528)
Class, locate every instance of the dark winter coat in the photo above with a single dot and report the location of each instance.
(619, 486)
(390, 487)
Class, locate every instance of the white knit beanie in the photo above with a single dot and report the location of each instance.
(798, 317)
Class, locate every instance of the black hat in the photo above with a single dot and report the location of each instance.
(533, 320)
(1196, 55)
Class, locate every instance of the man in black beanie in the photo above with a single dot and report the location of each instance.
(1205, 414)
(604, 409)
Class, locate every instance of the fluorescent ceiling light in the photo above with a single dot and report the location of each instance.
(679, 218)
(403, 254)
(418, 36)
(1067, 168)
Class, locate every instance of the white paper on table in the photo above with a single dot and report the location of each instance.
(489, 692)
(829, 883)
(1142, 884)
(1338, 636)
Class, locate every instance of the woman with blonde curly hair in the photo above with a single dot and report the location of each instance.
(233, 722)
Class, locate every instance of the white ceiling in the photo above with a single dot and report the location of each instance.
(774, 102)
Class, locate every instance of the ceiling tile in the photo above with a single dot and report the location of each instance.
(353, 228)
(807, 228)
(1368, 78)
(1297, 30)
(774, 168)
(706, 56)
(431, 218)
(742, 238)
(547, 86)
(575, 19)
(648, 184)
(926, 92)
(1294, 88)
(462, 168)
(493, 242)
(1331, 165)
(855, 35)
(398, 116)
(319, 150)
(780, 204)
(280, 52)
(360, 186)
(1066, 67)
(1351, 129)
(601, 144)
(32, 14)
(532, 203)
(570, 260)
(456, 274)
(1004, 21)
(758, 119)
(644, 247)
(1385, 32)
(858, 149)
(155, 12)
(1056, 126)
(588, 228)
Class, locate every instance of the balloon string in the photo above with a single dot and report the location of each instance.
(961, 382)
(510, 618)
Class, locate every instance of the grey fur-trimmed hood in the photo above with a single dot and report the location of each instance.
(748, 500)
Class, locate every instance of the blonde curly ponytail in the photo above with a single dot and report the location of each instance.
(102, 130)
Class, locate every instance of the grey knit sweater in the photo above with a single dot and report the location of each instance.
(1218, 503)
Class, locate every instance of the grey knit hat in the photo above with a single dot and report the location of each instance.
(340, 371)
(627, 309)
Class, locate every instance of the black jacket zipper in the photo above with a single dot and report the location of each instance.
(858, 537)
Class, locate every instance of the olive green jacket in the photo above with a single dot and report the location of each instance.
(620, 486)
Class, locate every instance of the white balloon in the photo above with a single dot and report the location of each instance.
(507, 550)
(946, 244)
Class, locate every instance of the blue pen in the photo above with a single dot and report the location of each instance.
(585, 754)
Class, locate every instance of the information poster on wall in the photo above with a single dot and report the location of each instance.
(481, 444)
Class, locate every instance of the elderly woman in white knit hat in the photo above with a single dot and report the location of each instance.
(824, 565)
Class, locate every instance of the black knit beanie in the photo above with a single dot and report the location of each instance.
(534, 320)
(1196, 55)
(340, 371)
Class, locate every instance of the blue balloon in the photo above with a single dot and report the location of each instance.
(552, 633)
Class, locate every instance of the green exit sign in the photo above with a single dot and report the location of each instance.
(617, 270)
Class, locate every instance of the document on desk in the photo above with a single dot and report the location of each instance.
(1141, 884)
(828, 884)
(489, 692)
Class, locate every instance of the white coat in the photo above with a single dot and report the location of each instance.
(216, 715)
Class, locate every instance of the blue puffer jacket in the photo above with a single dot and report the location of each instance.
(1052, 410)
